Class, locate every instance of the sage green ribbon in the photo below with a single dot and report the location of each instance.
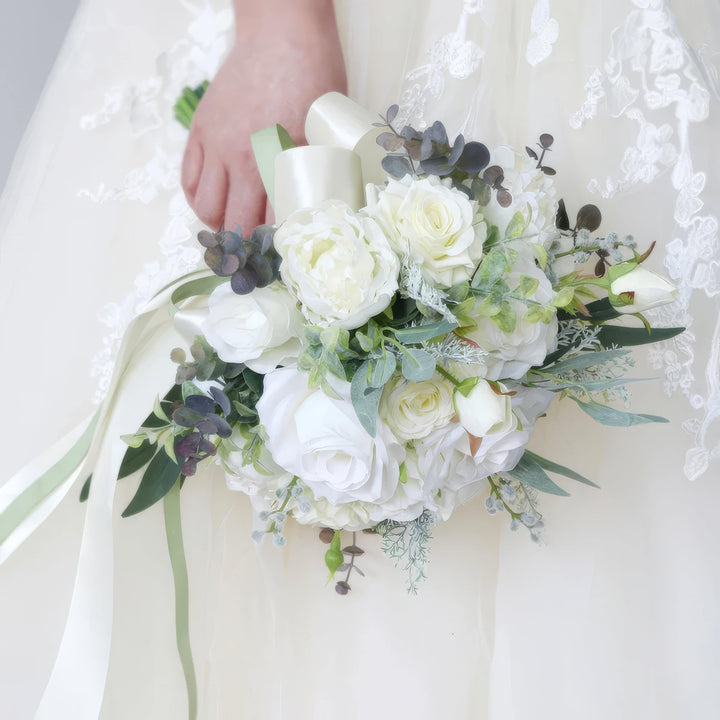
(176, 549)
(36, 492)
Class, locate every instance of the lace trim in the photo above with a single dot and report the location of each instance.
(544, 31)
(453, 55)
(650, 70)
(149, 105)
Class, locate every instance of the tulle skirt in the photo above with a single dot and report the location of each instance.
(614, 615)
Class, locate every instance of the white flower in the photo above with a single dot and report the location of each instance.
(445, 456)
(320, 440)
(511, 355)
(485, 410)
(260, 329)
(413, 410)
(648, 290)
(338, 264)
(437, 226)
(533, 194)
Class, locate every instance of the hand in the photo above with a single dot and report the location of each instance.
(283, 59)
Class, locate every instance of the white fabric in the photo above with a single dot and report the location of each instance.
(614, 617)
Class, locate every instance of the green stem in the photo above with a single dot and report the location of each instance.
(447, 375)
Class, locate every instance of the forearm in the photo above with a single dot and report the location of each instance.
(308, 16)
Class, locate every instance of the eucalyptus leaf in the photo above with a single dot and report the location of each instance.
(158, 479)
(421, 333)
(551, 466)
(506, 319)
(365, 399)
(417, 365)
(516, 226)
(397, 165)
(381, 370)
(529, 472)
(528, 285)
(616, 418)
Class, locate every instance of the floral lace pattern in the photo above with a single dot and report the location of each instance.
(650, 71)
(453, 55)
(149, 105)
(544, 31)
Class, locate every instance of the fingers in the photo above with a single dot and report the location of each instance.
(246, 198)
(192, 164)
(269, 214)
(211, 195)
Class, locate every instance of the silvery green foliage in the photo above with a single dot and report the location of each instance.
(417, 288)
(408, 541)
(453, 348)
(520, 502)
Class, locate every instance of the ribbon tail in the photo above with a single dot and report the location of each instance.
(176, 550)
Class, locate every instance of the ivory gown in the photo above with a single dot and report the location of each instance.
(615, 616)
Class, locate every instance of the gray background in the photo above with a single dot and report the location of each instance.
(33, 31)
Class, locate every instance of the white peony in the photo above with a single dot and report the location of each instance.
(260, 329)
(413, 410)
(511, 355)
(648, 290)
(320, 440)
(437, 226)
(338, 264)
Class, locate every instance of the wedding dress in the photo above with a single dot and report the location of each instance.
(613, 616)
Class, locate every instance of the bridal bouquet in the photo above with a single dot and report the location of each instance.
(372, 362)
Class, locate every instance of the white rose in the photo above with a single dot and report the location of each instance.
(338, 264)
(450, 473)
(501, 452)
(437, 226)
(511, 355)
(406, 504)
(533, 194)
(260, 329)
(413, 410)
(320, 440)
(445, 455)
(648, 290)
(485, 410)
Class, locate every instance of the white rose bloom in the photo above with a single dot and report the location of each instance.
(260, 329)
(458, 476)
(437, 226)
(533, 194)
(406, 504)
(320, 440)
(483, 411)
(338, 264)
(511, 355)
(413, 410)
(649, 289)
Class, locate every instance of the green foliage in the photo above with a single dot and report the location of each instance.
(551, 466)
(334, 556)
(408, 541)
(157, 480)
(530, 472)
(616, 418)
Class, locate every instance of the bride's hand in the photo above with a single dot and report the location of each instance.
(286, 54)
